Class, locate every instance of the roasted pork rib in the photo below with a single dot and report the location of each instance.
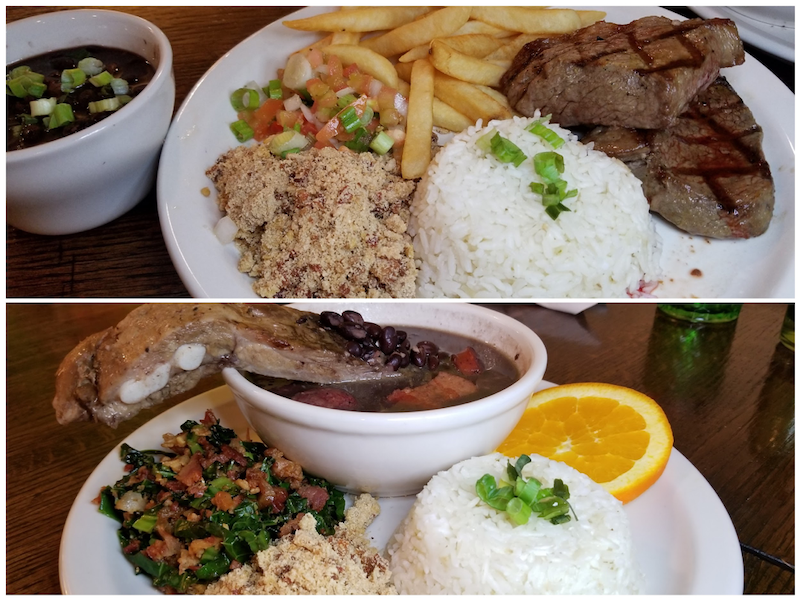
(160, 350)
(640, 75)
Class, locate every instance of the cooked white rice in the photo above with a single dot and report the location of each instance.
(453, 543)
(479, 230)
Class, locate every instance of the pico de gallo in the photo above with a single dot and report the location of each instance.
(317, 101)
(207, 502)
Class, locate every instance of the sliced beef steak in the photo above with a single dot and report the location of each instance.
(707, 173)
(640, 75)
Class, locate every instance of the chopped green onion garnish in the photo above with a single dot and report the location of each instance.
(36, 89)
(242, 131)
(17, 87)
(286, 142)
(27, 119)
(61, 115)
(360, 143)
(91, 66)
(381, 143)
(101, 79)
(106, 105)
(72, 78)
(119, 86)
(548, 165)
(18, 72)
(349, 119)
(43, 106)
(366, 116)
(244, 98)
(522, 497)
(274, 90)
(502, 149)
(345, 100)
(124, 99)
(550, 136)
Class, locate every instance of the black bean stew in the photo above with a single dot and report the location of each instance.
(436, 369)
(93, 82)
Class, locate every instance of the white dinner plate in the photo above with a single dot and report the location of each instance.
(684, 539)
(762, 267)
(770, 33)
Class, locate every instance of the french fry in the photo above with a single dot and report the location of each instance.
(360, 19)
(471, 101)
(546, 21)
(512, 48)
(368, 61)
(403, 70)
(419, 124)
(447, 117)
(590, 17)
(463, 67)
(497, 95)
(318, 45)
(473, 44)
(439, 23)
(481, 28)
(349, 38)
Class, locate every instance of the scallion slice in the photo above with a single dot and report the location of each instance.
(360, 143)
(105, 105)
(72, 78)
(345, 100)
(242, 131)
(16, 87)
(244, 98)
(548, 165)
(91, 66)
(43, 106)
(119, 86)
(61, 115)
(273, 90)
(381, 143)
(101, 79)
(501, 148)
(349, 119)
(550, 136)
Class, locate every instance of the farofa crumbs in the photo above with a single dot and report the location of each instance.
(308, 563)
(319, 223)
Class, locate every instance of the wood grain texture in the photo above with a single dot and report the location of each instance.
(128, 257)
(728, 391)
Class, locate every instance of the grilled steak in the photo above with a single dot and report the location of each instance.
(160, 350)
(640, 75)
(707, 173)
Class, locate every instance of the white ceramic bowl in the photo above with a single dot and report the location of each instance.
(395, 454)
(95, 175)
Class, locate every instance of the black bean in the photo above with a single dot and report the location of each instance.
(331, 319)
(418, 359)
(394, 361)
(352, 330)
(405, 345)
(352, 316)
(405, 359)
(433, 361)
(388, 340)
(373, 329)
(401, 336)
(355, 349)
(430, 346)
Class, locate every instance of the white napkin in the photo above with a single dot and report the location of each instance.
(569, 308)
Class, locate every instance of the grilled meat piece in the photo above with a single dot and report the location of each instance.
(160, 350)
(706, 174)
(640, 75)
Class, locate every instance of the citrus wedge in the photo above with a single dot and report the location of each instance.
(618, 437)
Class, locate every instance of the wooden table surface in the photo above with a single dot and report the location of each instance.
(127, 258)
(728, 391)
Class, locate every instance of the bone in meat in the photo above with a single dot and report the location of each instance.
(160, 350)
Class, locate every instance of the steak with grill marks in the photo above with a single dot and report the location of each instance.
(707, 173)
(640, 75)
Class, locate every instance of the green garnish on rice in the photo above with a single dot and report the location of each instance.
(520, 498)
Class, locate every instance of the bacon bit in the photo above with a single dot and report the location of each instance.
(161, 549)
(233, 456)
(317, 496)
(291, 526)
(174, 485)
(191, 472)
(224, 501)
(132, 547)
(287, 470)
(198, 489)
(468, 362)
(209, 418)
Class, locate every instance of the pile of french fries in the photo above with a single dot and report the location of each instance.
(447, 61)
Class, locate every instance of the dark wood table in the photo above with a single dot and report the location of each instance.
(127, 258)
(728, 391)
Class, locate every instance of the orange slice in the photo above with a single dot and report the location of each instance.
(618, 437)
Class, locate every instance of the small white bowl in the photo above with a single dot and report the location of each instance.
(91, 177)
(395, 454)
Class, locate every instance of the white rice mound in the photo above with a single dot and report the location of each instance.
(453, 543)
(479, 230)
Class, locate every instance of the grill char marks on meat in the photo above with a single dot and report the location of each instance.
(160, 350)
(706, 174)
(640, 75)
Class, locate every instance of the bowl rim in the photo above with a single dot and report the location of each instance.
(403, 423)
(163, 73)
